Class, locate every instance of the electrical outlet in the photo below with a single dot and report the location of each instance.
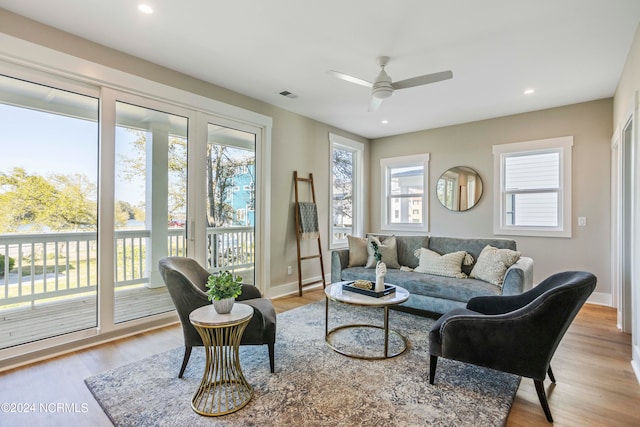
(289, 270)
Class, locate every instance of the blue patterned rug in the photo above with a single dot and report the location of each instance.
(315, 386)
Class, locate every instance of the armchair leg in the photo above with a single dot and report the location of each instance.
(542, 396)
(185, 360)
(271, 356)
(550, 373)
(433, 362)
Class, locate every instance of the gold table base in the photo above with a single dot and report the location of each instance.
(386, 355)
(223, 388)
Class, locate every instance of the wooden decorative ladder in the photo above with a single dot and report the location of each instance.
(297, 179)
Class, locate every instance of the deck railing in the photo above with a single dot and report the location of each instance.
(51, 265)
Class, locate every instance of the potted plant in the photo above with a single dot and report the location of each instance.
(223, 289)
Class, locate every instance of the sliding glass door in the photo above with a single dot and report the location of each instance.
(96, 186)
(48, 211)
(150, 198)
(231, 201)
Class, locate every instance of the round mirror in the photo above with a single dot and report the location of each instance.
(459, 188)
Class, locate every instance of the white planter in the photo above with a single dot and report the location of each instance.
(223, 306)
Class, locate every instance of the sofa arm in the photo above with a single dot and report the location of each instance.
(339, 261)
(519, 277)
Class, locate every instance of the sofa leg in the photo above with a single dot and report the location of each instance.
(433, 361)
(185, 360)
(542, 396)
(271, 356)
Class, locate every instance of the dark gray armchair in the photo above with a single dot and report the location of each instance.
(517, 334)
(186, 279)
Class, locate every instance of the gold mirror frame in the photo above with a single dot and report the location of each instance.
(459, 188)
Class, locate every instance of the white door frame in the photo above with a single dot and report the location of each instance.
(196, 209)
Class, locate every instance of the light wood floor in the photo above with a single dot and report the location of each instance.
(595, 383)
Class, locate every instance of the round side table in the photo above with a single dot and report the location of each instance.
(223, 388)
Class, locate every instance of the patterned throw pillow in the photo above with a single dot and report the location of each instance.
(493, 264)
(357, 251)
(388, 250)
(449, 265)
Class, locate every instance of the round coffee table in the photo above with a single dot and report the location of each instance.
(335, 292)
(223, 388)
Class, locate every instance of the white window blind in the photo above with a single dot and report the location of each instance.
(533, 188)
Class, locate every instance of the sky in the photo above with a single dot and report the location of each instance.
(44, 143)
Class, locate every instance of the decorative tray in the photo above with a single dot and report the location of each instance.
(388, 289)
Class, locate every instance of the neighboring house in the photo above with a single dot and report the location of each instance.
(241, 197)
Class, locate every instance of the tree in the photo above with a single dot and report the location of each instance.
(343, 186)
(135, 166)
(58, 202)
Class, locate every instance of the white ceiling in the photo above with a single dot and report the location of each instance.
(569, 51)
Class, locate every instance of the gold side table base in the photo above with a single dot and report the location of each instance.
(387, 355)
(223, 388)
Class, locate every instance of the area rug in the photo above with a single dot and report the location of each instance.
(315, 386)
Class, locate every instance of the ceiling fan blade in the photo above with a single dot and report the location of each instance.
(375, 104)
(423, 80)
(351, 79)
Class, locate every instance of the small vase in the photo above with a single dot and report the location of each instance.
(223, 306)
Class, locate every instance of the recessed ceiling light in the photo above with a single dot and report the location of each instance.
(529, 91)
(145, 8)
(384, 122)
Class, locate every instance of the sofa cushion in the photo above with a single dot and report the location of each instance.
(449, 265)
(358, 254)
(445, 245)
(407, 246)
(388, 250)
(492, 264)
(448, 288)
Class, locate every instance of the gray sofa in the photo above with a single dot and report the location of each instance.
(433, 295)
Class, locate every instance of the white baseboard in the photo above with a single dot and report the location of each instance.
(291, 288)
(635, 361)
(601, 298)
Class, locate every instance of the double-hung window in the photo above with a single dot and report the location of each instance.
(404, 199)
(533, 188)
(346, 189)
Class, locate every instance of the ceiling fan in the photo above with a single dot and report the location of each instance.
(383, 87)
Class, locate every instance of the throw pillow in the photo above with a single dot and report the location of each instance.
(388, 250)
(357, 251)
(449, 265)
(493, 264)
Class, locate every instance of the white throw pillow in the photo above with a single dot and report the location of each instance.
(449, 265)
(388, 250)
(357, 251)
(493, 264)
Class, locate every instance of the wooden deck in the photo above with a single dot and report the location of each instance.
(28, 324)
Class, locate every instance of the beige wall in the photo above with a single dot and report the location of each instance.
(470, 144)
(628, 85)
(298, 143)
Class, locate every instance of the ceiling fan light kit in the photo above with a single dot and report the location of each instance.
(383, 87)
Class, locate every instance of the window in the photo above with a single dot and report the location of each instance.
(405, 203)
(346, 190)
(533, 188)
